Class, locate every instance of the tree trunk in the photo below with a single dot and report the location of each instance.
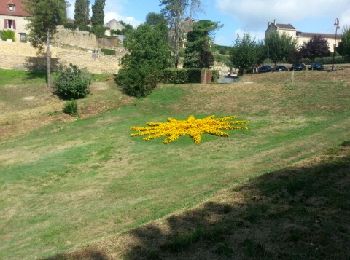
(48, 59)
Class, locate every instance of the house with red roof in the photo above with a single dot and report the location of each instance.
(13, 16)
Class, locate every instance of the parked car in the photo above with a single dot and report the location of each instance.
(298, 67)
(265, 68)
(280, 68)
(316, 66)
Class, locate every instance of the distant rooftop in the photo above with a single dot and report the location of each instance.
(324, 35)
(16, 8)
(285, 26)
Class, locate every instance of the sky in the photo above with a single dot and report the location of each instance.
(243, 16)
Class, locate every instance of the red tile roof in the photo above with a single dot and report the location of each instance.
(19, 8)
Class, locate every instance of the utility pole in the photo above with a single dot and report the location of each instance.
(336, 24)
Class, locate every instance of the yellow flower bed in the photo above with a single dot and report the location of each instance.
(193, 127)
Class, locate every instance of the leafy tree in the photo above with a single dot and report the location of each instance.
(98, 13)
(142, 67)
(279, 47)
(316, 47)
(245, 53)
(174, 11)
(198, 51)
(155, 19)
(45, 15)
(81, 13)
(344, 45)
(158, 21)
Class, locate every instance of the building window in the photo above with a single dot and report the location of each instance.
(10, 24)
(12, 7)
(23, 37)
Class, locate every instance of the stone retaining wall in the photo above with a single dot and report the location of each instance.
(17, 56)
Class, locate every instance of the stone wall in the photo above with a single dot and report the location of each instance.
(79, 39)
(23, 56)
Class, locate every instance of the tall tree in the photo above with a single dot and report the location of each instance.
(148, 55)
(198, 48)
(279, 46)
(98, 17)
(45, 15)
(175, 11)
(344, 45)
(316, 47)
(98, 13)
(245, 53)
(158, 21)
(81, 12)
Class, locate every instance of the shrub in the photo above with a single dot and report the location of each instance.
(215, 75)
(72, 82)
(175, 76)
(71, 108)
(142, 67)
(138, 82)
(108, 51)
(8, 35)
(184, 76)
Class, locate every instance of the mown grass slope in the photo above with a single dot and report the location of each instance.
(69, 184)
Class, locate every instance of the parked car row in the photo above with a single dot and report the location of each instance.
(295, 67)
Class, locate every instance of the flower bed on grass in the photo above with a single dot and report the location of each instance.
(173, 129)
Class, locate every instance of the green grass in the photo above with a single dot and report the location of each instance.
(69, 184)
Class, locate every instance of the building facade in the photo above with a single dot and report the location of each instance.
(301, 37)
(13, 16)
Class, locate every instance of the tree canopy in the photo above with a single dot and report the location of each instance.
(245, 53)
(81, 12)
(98, 13)
(344, 45)
(142, 67)
(45, 15)
(316, 47)
(279, 46)
(174, 12)
(198, 47)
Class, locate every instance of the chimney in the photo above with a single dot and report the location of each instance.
(274, 21)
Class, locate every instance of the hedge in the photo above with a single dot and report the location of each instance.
(108, 51)
(185, 76)
(328, 60)
(7, 35)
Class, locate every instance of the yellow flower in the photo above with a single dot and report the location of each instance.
(173, 128)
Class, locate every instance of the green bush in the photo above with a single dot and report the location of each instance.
(72, 82)
(108, 51)
(182, 76)
(8, 35)
(71, 108)
(138, 82)
(337, 60)
(148, 55)
(215, 75)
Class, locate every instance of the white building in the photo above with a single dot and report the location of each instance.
(301, 37)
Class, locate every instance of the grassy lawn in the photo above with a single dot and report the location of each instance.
(73, 183)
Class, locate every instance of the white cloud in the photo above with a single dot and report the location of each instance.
(254, 14)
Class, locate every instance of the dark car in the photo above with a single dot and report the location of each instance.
(280, 68)
(298, 67)
(265, 68)
(316, 66)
